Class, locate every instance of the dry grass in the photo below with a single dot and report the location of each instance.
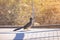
(13, 12)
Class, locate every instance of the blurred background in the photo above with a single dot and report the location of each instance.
(18, 12)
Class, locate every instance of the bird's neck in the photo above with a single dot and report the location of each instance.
(30, 21)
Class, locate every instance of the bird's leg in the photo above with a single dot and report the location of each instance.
(27, 29)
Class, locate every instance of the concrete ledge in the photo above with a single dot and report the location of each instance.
(33, 34)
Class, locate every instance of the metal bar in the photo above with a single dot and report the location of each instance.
(33, 15)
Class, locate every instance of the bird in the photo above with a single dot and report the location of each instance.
(26, 27)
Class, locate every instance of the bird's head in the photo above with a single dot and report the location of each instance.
(30, 18)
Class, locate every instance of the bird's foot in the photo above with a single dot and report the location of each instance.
(26, 29)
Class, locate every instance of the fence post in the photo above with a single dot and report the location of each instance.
(33, 15)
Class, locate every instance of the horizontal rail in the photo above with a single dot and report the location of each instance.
(41, 26)
(28, 32)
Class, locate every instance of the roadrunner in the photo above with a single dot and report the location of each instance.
(27, 26)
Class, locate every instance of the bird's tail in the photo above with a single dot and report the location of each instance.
(17, 29)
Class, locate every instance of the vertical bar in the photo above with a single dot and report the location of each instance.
(32, 13)
(57, 35)
(53, 35)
